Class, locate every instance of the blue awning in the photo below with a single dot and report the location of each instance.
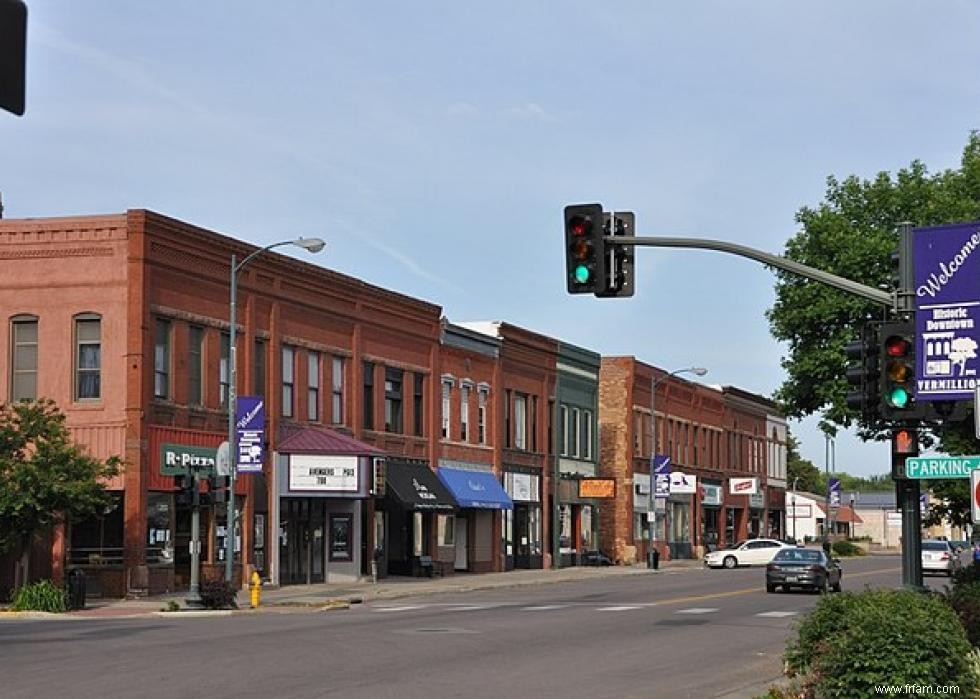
(475, 489)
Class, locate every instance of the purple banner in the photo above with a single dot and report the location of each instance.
(660, 466)
(250, 433)
(947, 317)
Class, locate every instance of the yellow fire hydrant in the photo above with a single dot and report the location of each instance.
(256, 588)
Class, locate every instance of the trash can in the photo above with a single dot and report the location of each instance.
(653, 559)
(76, 589)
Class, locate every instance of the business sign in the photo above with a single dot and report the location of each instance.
(947, 318)
(380, 471)
(250, 433)
(941, 466)
(181, 460)
(660, 466)
(804, 511)
(321, 473)
(683, 483)
(710, 494)
(743, 486)
(597, 488)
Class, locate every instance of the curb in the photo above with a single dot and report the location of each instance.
(193, 613)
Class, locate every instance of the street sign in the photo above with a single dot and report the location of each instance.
(941, 466)
(975, 497)
(947, 318)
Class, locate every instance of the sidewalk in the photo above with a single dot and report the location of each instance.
(343, 594)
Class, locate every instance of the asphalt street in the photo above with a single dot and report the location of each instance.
(683, 633)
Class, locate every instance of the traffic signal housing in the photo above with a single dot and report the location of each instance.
(863, 373)
(584, 249)
(897, 360)
(905, 443)
(619, 279)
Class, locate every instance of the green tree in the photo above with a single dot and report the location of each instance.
(852, 233)
(45, 479)
(801, 472)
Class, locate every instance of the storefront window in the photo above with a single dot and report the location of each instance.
(341, 535)
(565, 529)
(535, 541)
(221, 530)
(99, 540)
(730, 526)
(159, 528)
(446, 527)
(588, 541)
(680, 522)
(417, 531)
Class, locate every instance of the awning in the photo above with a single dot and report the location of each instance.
(476, 489)
(416, 487)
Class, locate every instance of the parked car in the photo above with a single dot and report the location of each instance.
(804, 568)
(960, 545)
(746, 553)
(939, 557)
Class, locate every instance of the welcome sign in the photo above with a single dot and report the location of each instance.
(947, 318)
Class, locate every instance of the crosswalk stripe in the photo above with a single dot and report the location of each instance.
(697, 610)
(470, 608)
(616, 609)
(398, 609)
(776, 614)
(544, 607)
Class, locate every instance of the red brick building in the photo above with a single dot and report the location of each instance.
(717, 444)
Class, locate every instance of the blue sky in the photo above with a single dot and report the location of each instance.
(434, 144)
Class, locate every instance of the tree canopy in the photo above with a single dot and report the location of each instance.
(44, 477)
(852, 233)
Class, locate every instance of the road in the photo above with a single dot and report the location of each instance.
(679, 633)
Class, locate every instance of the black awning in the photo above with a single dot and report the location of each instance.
(416, 487)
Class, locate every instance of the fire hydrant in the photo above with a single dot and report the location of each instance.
(256, 588)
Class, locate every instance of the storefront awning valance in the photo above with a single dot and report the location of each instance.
(416, 487)
(476, 489)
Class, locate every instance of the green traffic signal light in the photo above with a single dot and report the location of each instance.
(582, 274)
(899, 397)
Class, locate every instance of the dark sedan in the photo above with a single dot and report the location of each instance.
(806, 568)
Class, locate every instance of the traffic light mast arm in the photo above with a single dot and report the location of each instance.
(787, 265)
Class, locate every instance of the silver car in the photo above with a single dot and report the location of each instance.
(939, 557)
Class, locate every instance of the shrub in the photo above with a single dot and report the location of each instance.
(852, 642)
(846, 548)
(965, 601)
(829, 617)
(966, 575)
(42, 596)
(219, 594)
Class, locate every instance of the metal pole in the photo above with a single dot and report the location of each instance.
(652, 503)
(232, 400)
(194, 593)
(311, 245)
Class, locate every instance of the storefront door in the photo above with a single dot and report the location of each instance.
(462, 550)
(302, 541)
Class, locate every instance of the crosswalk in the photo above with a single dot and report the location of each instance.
(544, 608)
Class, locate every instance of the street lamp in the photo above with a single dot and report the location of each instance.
(311, 245)
(651, 506)
(793, 504)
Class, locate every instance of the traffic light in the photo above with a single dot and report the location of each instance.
(13, 51)
(185, 490)
(584, 249)
(618, 259)
(905, 443)
(897, 342)
(863, 373)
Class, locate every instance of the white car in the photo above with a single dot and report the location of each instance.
(752, 552)
(939, 557)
